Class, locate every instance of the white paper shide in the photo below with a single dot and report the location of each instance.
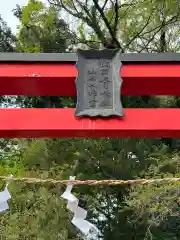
(4, 197)
(79, 213)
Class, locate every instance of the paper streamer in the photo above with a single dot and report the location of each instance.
(79, 213)
(4, 197)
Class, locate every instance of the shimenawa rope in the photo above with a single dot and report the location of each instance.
(90, 182)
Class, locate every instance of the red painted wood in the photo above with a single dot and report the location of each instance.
(62, 123)
(59, 79)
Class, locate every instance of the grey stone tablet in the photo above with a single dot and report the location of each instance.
(98, 83)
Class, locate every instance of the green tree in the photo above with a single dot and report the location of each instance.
(36, 211)
(41, 30)
(7, 39)
(148, 212)
(7, 44)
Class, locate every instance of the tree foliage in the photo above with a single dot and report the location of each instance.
(141, 212)
(41, 29)
(7, 39)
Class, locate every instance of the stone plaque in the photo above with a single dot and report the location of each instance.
(98, 83)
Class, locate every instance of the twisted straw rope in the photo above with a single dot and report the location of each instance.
(91, 182)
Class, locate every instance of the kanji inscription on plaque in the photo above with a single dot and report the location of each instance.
(98, 83)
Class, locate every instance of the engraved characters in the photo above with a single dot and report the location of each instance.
(105, 82)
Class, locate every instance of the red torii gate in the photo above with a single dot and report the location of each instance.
(55, 74)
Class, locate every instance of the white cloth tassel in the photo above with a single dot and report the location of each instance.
(72, 205)
(80, 222)
(4, 206)
(4, 197)
(67, 194)
(84, 226)
(79, 213)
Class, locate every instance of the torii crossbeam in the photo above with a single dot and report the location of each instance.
(55, 74)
